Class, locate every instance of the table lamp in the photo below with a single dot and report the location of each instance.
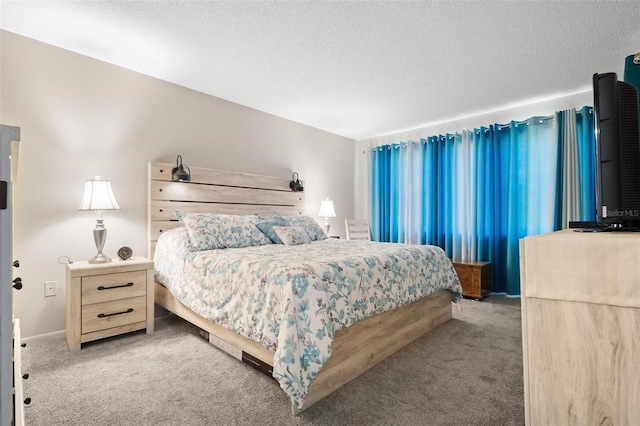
(327, 211)
(98, 197)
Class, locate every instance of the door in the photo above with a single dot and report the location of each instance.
(8, 134)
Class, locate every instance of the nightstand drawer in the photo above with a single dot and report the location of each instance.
(100, 316)
(103, 288)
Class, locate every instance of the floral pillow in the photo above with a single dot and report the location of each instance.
(269, 223)
(209, 231)
(292, 235)
(309, 224)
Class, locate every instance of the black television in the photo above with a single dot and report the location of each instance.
(617, 140)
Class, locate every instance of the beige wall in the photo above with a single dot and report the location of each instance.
(80, 117)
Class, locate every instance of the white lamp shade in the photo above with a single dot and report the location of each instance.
(98, 196)
(326, 209)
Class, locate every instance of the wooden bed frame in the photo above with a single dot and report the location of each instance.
(355, 349)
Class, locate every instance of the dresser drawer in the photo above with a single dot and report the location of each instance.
(101, 316)
(104, 288)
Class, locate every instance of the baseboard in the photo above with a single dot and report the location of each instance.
(53, 334)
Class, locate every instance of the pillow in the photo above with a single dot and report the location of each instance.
(311, 227)
(268, 223)
(209, 231)
(292, 235)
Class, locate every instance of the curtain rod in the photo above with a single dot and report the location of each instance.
(540, 119)
(579, 111)
(397, 145)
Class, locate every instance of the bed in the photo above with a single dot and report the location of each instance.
(329, 347)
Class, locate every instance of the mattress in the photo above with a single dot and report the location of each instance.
(293, 298)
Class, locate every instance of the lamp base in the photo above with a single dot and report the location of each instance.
(99, 236)
(100, 258)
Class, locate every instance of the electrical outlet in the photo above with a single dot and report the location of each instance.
(49, 288)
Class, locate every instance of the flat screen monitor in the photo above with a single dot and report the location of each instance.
(617, 153)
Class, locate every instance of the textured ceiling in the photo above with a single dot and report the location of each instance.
(357, 69)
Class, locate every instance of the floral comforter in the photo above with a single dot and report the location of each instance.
(292, 299)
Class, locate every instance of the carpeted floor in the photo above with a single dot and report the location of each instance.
(465, 372)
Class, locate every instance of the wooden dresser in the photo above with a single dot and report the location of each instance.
(108, 299)
(581, 327)
(475, 278)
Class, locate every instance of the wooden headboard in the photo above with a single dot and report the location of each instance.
(214, 191)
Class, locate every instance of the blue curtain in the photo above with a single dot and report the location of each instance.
(632, 73)
(477, 192)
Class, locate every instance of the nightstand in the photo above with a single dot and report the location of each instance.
(108, 299)
(475, 278)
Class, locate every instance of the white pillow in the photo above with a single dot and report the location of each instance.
(209, 231)
(292, 235)
(311, 227)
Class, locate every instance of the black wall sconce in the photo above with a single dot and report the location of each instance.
(179, 174)
(296, 184)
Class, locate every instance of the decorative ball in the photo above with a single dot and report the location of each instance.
(125, 253)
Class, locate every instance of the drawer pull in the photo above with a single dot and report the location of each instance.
(115, 286)
(128, 311)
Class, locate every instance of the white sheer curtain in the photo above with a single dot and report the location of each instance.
(570, 198)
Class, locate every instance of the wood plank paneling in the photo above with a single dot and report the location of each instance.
(165, 210)
(162, 172)
(214, 191)
(185, 191)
